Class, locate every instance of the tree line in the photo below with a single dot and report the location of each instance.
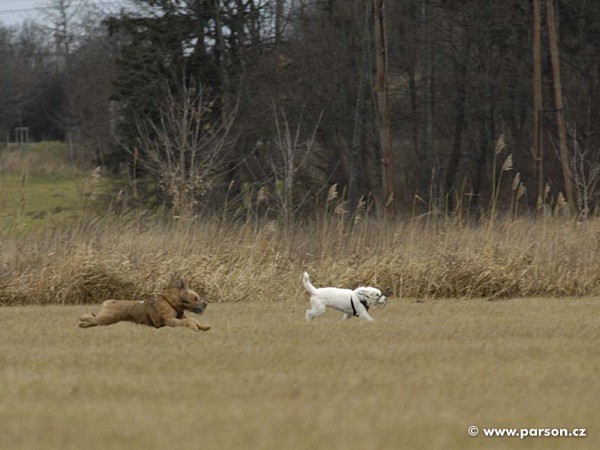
(263, 106)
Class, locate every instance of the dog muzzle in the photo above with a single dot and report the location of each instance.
(382, 301)
(198, 308)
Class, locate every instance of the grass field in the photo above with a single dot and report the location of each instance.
(40, 201)
(263, 378)
(41, 187)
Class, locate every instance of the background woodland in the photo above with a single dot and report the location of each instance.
(262, 106)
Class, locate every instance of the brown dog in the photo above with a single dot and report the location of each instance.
(165, 309)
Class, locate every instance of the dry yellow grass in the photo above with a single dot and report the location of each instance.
(263, 378)
(131, 256)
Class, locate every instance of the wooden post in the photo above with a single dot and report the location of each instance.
(558, 101)
(382, 89)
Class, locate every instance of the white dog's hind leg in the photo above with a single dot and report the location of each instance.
(316, 310)
(310, 313)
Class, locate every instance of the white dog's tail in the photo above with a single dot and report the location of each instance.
(307, 285)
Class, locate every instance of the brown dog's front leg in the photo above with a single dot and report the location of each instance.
(186, 322)
(201, 326)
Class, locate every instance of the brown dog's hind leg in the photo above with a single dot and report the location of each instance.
(104, 317)
(87, 320)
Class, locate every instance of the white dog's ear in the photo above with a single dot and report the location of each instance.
(363, 294)
(368, 294)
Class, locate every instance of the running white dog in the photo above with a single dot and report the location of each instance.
(351, 302)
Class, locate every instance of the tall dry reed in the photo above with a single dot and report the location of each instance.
(131, 256)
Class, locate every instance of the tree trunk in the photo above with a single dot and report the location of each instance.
(278, 21)
(485, 143)
(427, 99)
(385, 131)
(537, 103)
(224, 76)
(560, 113)
(459, 125)
(359, 111)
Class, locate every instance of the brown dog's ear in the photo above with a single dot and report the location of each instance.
(183, 285)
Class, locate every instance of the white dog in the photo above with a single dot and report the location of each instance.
(351, 302)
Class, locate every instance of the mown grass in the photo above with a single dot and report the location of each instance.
(263, 378)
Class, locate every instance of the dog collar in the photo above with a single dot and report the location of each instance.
(364, 303)
(179, 310)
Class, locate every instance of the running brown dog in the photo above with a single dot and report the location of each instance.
(165, 309)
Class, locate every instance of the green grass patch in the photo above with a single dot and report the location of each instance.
(45, 158)
(31, 203)
(45, 185)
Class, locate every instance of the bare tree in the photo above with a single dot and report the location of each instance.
(184, 150)
(293, 152)
(585, 167)
(63, 15)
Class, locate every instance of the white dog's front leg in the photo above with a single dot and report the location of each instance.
(363, 314)
(346, 316)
